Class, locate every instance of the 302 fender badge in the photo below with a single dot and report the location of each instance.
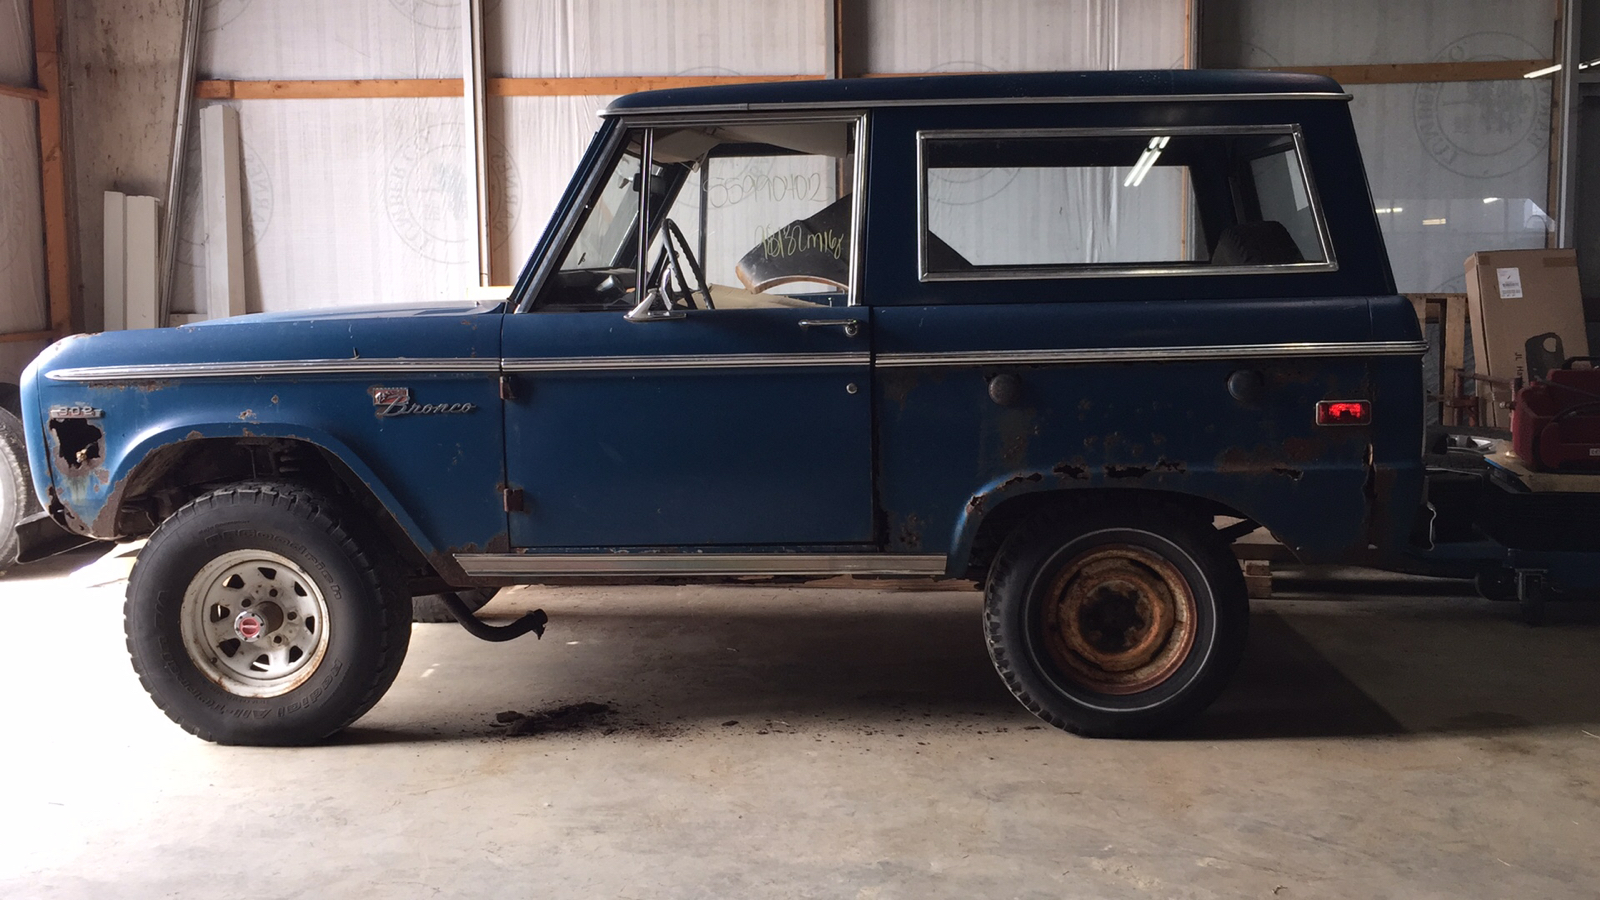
(390, 402)
(76, 412)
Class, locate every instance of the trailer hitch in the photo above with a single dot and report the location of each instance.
(534, 622)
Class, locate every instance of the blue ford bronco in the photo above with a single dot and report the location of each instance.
(1066, 335)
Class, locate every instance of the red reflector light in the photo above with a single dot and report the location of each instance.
(1344, 412)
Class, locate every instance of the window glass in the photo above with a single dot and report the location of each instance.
(740, 217)
(1084, 201)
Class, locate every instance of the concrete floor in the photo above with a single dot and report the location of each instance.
(777, 742)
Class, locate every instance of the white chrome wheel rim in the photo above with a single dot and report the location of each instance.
(254, 623)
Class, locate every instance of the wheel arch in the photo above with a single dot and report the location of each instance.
(990, 518)
(172, 469)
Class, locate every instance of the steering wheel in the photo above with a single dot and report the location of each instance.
(672, 235)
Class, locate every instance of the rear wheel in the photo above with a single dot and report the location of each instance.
(254, 617)
(1116, 622)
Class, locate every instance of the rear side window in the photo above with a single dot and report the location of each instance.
(1093, 203)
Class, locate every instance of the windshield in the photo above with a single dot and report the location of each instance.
(744, 215)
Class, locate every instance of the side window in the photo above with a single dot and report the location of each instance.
(738, 216)
(1093, 203)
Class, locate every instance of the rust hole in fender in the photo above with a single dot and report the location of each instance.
(77, 442)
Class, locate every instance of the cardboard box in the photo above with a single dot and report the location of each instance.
(1527, 316)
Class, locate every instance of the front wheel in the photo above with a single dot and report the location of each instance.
(1116, 622)
(255, 617)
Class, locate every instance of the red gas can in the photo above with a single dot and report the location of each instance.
(1556, 423)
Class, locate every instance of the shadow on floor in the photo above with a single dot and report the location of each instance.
(877, 671)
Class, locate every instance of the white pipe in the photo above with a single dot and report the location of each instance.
(180, 130)
(1567, 154)
(476, 156)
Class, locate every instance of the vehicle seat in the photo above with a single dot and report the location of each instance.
(1255, 244)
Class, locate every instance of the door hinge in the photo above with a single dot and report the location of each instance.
(506, 391)
(512, 498)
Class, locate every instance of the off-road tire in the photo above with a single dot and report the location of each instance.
(17, 500)
(429, 608)
(366, 629)
(1034, 559)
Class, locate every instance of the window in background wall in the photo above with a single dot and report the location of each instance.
(1065, 203)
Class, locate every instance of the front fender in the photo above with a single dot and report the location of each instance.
(94, 496)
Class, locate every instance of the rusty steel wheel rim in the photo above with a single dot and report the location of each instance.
(1118, 619)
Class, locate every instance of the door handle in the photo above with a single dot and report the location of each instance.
(852, 327)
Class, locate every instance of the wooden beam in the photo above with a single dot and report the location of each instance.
(21, 92)
(1422, 73)
(53, 166)
(328, 90)
(1384, 73)
(398, 88)
(580, 87)
(384, 88)
(18, 337)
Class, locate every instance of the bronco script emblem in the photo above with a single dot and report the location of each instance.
(397, 402)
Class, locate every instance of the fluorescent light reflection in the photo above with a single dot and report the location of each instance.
(1147, 159)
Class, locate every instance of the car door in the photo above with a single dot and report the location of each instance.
(733, 409)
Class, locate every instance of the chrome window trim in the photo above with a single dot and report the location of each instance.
(1149, 354)
(563, 232)
(687, 361)
(775, 106)
(846, 113)
(285, 367)
(520, 565)
(1132, 269)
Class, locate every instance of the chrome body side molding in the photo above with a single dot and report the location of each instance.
(697, 361)
(690, 564)
(1149, 354)
(287, 368)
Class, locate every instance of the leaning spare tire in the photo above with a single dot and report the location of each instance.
(17, 500)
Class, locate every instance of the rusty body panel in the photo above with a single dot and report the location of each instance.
(949, 455)
(405, 462)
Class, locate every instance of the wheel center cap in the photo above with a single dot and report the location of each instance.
(249, 626)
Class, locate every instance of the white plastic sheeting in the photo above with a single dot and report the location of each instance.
(347, 201)
(22, 272)
(550, 38)
(22, 268)
(1454, 167)
(366, 201)
(544, 138)
(1025, 35)
(1244, 33)
(16, 42)
(309, 39)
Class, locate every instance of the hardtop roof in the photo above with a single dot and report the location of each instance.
(979, 88)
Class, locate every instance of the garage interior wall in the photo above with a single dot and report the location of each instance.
(364, 200)
(23, 304)
(1454, 167)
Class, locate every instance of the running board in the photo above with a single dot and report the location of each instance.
(518, 565)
